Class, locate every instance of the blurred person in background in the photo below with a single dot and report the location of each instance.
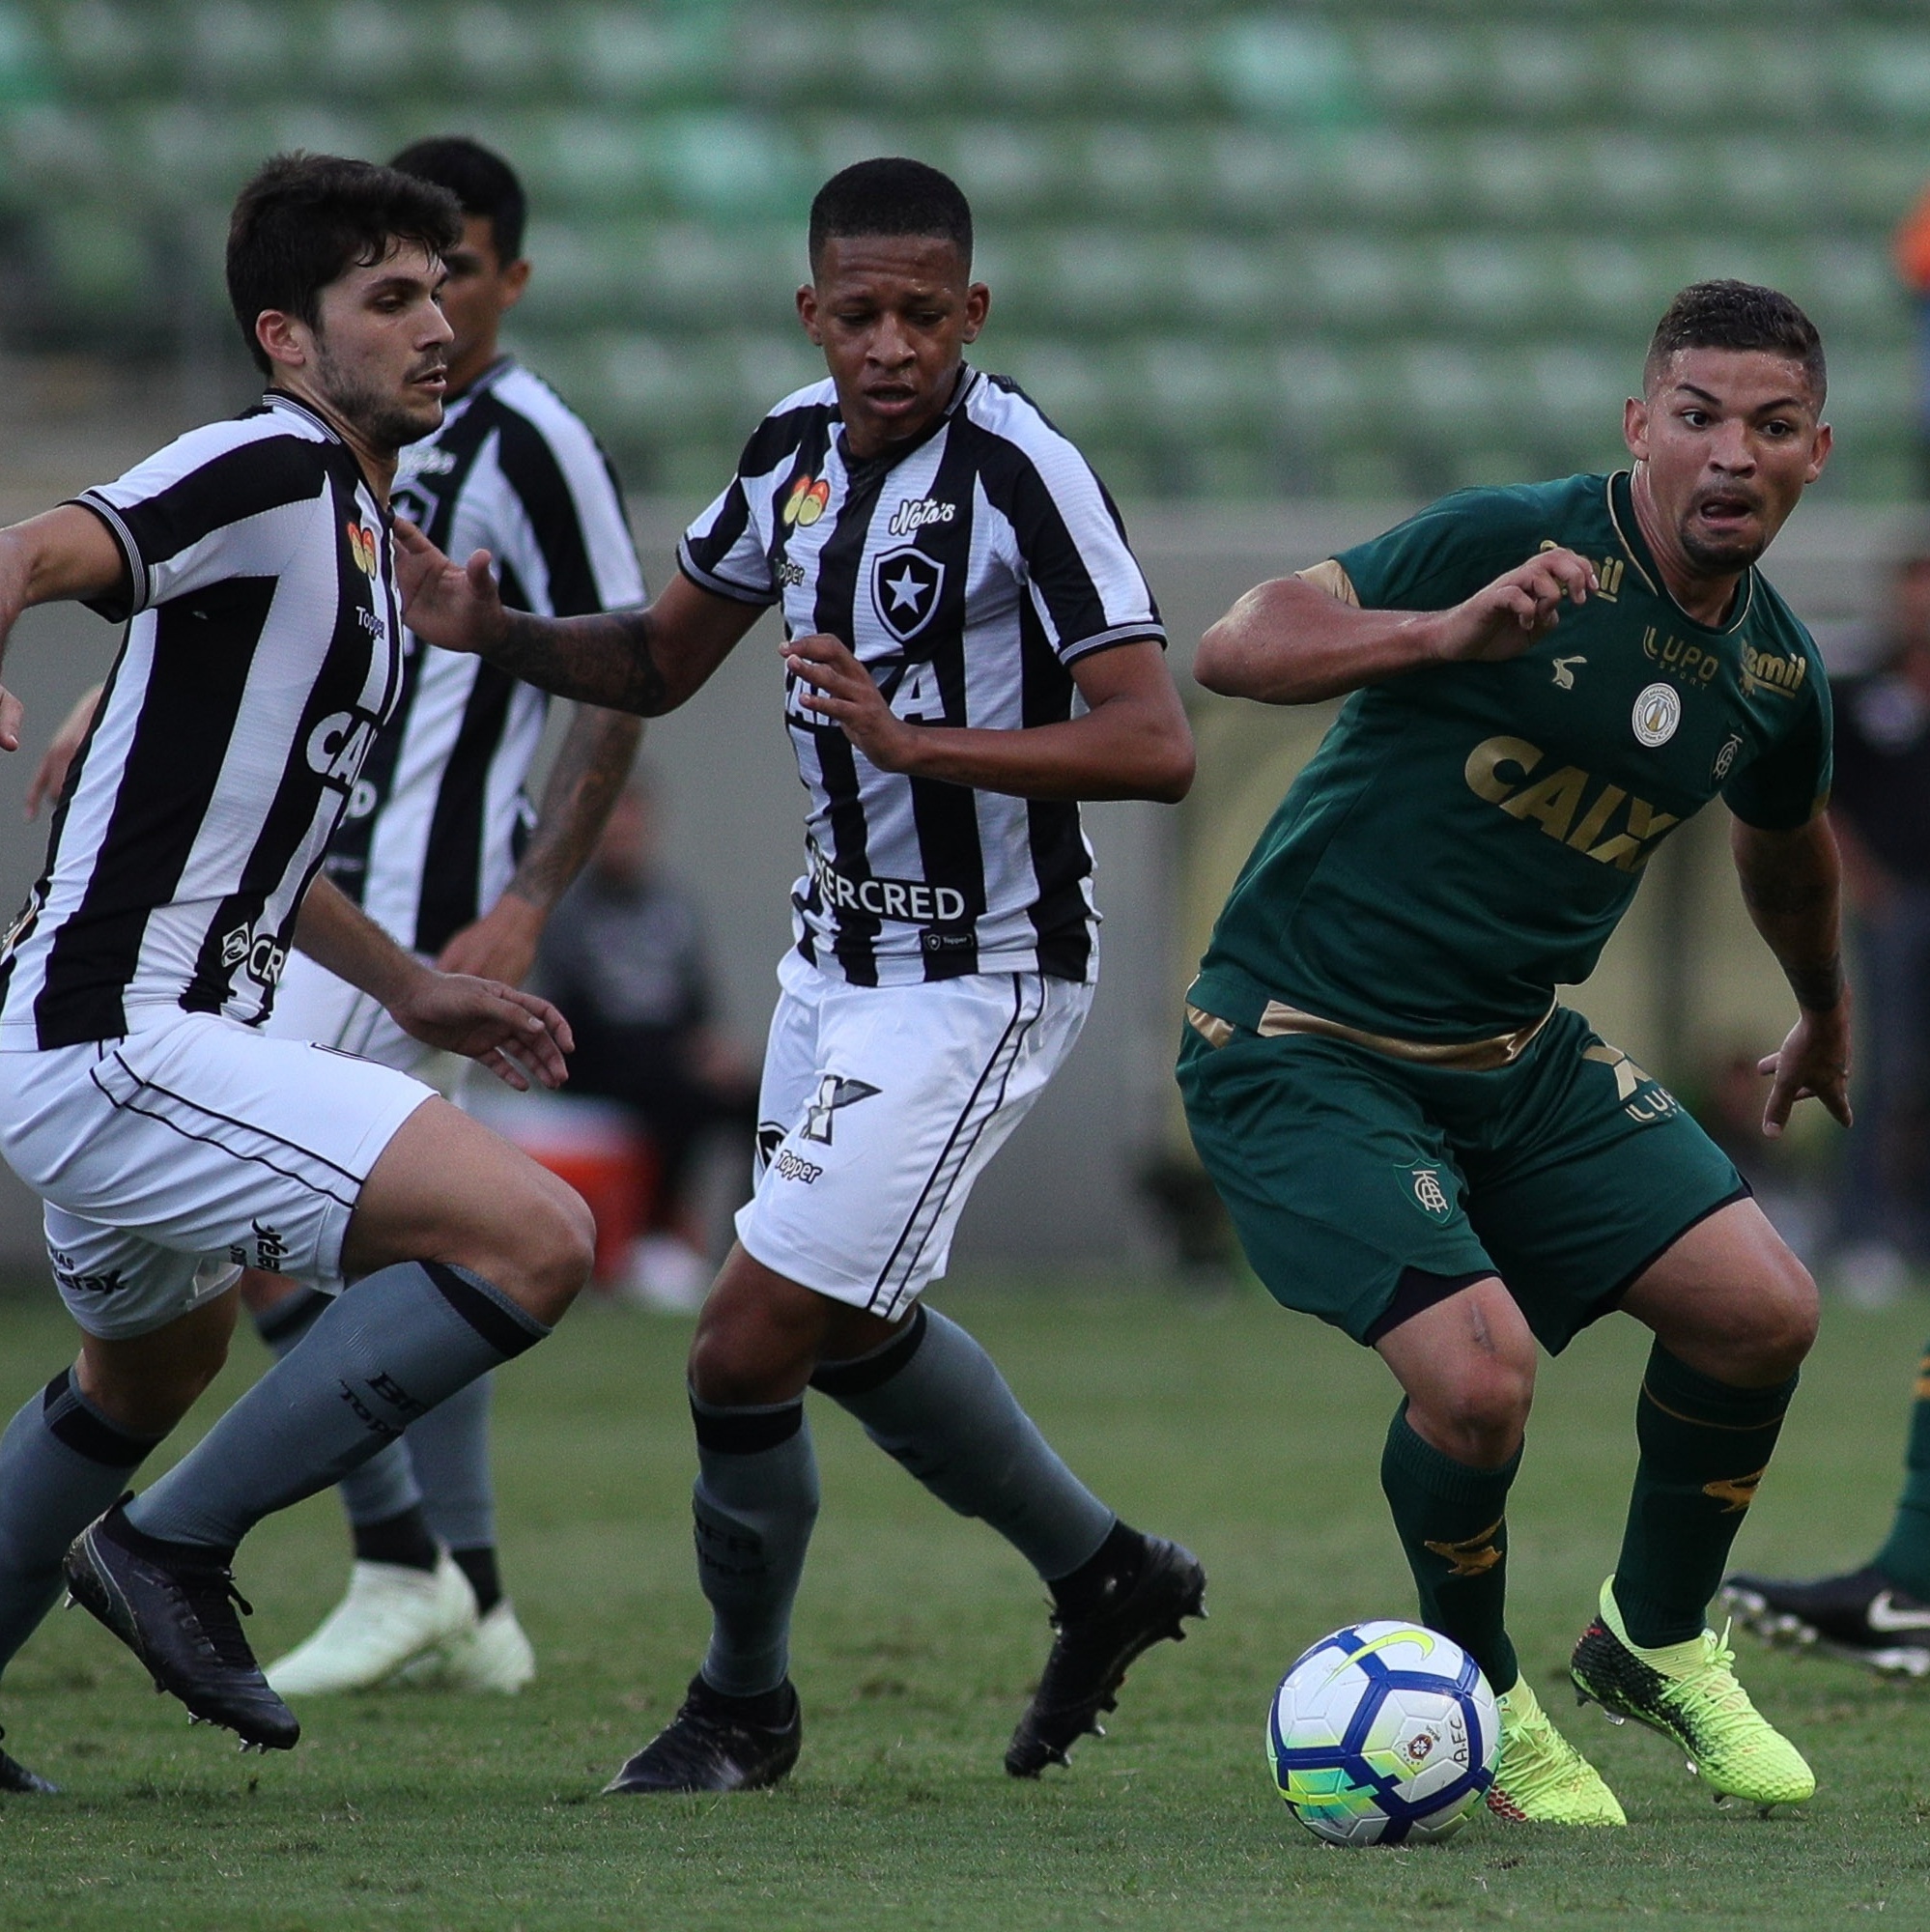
(624, 957)
(441, 847)
(1880, 1613)
(1880, 810)
(1910, 252)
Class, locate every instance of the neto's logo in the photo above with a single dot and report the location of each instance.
(807, 500)
(362, 547)
(912, 516)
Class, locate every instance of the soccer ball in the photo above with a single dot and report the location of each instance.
(1383, 1734)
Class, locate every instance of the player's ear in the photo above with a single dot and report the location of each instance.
(1635, 427)
(807, 311)
(977, 306)
(514, 281)
(1819, 452)
(286, 340)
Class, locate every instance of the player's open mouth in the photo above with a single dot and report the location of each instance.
(1725, 513)
(891, 397)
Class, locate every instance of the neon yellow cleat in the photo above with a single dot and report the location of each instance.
(1688, 1693)
(1541, 1779)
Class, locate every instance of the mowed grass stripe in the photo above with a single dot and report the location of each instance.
(1253, 1435)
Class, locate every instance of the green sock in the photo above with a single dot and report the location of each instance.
(1453, 1524)
(1905, 1559)
(1704, 1448)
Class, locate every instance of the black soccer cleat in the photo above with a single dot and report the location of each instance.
(176, 1613)
(17, 1779)
(1862, 1616)
(717, 1744)
(1092, 1653)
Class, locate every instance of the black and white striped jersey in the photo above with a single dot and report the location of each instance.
(968, 571)
(262, 655)
(436, 824)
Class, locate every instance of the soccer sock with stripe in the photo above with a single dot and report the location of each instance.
(1453, 1523)
(933, 1400)
(1905, 1556)
(387, 1352)
(62, 1463)
(1704, 1448)
(755, 1503)
(382, 1500)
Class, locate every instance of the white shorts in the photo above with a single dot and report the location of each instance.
(311, 1004)
(880, 1106)
(172, 1158)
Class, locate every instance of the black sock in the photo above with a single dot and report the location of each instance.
(1108, 1573)
(772, 1709)
(402, 1540)
(478, 1565)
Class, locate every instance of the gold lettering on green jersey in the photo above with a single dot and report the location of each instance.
(1688, 662)
(1607, 570)
(1552, 802)
(1497, 769)
(1484, 763)
(1770, 671)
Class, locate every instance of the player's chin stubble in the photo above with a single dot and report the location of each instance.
(383, 420)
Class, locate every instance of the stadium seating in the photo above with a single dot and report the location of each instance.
(1380, 246)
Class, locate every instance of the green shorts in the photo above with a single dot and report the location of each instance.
(1565, 1172)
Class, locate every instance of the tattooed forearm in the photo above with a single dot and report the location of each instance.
(591, 765)
(604, 659)
(1792, 886)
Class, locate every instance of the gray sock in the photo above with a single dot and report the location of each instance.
(934, 1400)
(385, 1486)
(62, 1463)
(755, 1503)
(388, 1351)
(450, 1450)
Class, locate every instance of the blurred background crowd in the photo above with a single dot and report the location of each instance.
(1284, 271)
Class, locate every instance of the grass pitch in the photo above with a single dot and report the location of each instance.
(1252, 1434)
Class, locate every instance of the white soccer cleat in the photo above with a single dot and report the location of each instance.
(389, 1616)
(495, 1656)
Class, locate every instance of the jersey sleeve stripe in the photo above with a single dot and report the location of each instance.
(720, 586)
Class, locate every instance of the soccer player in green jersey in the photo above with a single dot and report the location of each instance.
(1417, 1143)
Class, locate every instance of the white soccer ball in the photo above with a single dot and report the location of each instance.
(1383, 1734)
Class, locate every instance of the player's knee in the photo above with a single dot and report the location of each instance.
(147, 1396)
(1776, 1327)
(1478, 1412)
(549, 1237)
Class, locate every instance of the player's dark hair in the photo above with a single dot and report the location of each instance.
(1738, 315)
(481, 179)
(305, 220)
(891, 196)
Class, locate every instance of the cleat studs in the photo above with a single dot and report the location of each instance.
(1765, 1810)
(73, 1603)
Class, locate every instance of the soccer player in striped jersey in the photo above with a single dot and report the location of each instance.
(952, 578)
(172, 1140)
(438, 846)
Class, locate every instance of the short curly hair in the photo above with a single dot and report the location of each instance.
(1738, 315)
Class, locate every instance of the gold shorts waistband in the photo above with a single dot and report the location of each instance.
(1468, 1056)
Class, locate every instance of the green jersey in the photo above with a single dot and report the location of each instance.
(1468, 834)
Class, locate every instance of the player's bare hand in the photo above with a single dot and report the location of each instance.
(50, 778)
(1813, 1063)
(501, 945)
(1517, 610)
(519, 1039)
(11, 713)
(453, 604)
(837, 685)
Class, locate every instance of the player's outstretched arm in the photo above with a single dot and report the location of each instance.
(50, 559)
(1289, 641)
(1133, 742)
(518, 1037)
(1791, 884)
(644, 661)
(590, 767)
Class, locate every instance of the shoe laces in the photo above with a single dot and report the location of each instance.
(1535, 1750)
(214, 1598)
(1714, 1685)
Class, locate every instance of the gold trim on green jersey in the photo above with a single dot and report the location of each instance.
(1748, 601)
(1331, 577)
(1465, 1055)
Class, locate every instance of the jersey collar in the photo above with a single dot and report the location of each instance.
(280, 399)
(1619, 495)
